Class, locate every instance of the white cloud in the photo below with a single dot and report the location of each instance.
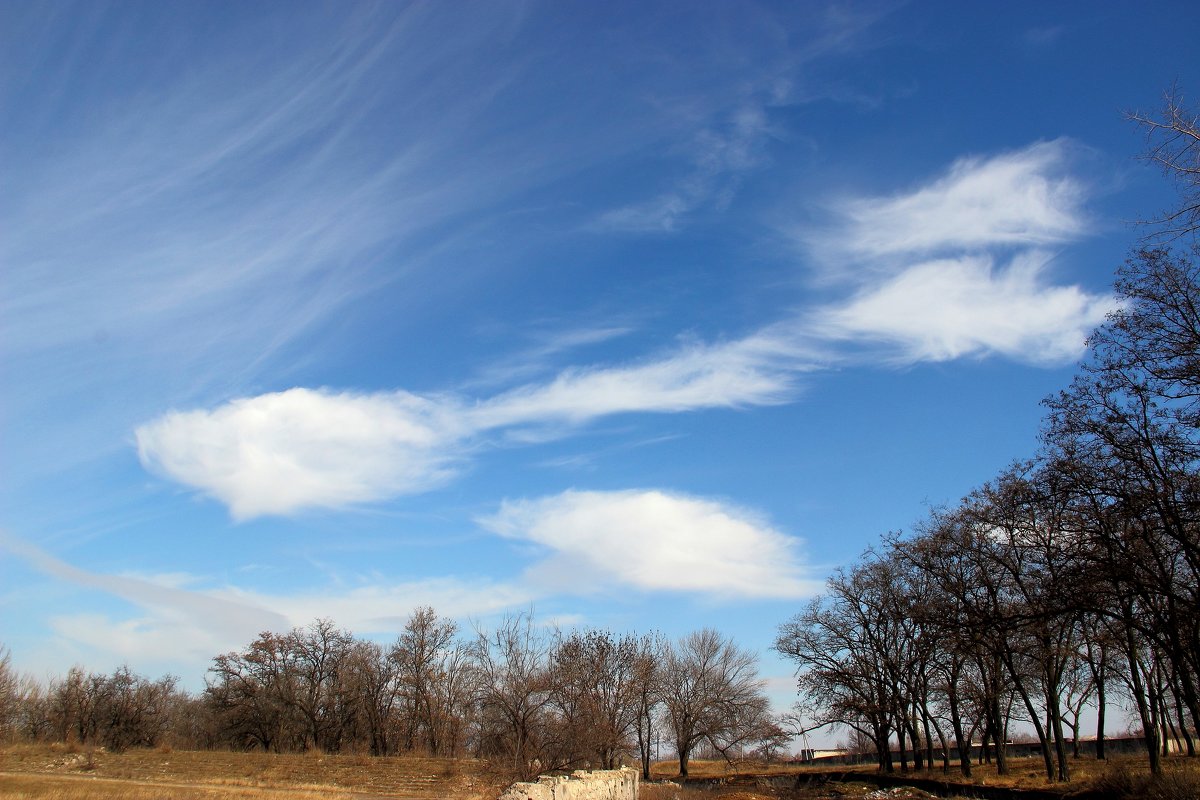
(278, 452)
(953, 269)
(383, 606)
(1019, 199)
(303, 448)
(655, 540)
(644, 539)
(1042, 37)
(167, 631)
(946, 309)
(757, 370)
(160, 636)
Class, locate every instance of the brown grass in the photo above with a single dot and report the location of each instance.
(72, 772)
(73, 787)
(1181, 777)
(60, 772)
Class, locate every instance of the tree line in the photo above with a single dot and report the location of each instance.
(1071, 578)
(527, 698)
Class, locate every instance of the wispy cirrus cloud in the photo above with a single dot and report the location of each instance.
(181, 230)
(757, 370)
(719, 151)
(719, 157)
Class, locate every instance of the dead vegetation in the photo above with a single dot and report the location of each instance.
(74, 772)
(1120, 778)
(64, 772)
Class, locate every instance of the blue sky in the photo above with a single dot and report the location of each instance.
(645, 316)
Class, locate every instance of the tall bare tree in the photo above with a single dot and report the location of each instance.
(711, 693)
(647, 688)
(434, 681)
(249, 695)
(513, 696)
(597, 680)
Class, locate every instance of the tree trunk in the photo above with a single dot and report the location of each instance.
(1149, 725)
(961, 742)
(1064, 767)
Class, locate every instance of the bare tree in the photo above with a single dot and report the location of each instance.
(1173, 143)
(513, 696)
(711, 693)
(1124, 438)
(35, 720)
(433, 673)
(136, 711)
(314, 663)
(249, 695)
(839, 678)
(373, 682)
(1030, 555)
(597, 681)
(647, 688)
(9, 698)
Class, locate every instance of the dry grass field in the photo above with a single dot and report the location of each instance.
(1118, 777)
(57, 772)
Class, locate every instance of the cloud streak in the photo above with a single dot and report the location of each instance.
(985, 292)
(302, 448)
(178, 621)
(720, 157)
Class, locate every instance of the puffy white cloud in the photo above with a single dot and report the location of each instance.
(304, 448)
(300, 448)
(953, 268)
(655, 540)
(946, 309)
(1022, 198)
